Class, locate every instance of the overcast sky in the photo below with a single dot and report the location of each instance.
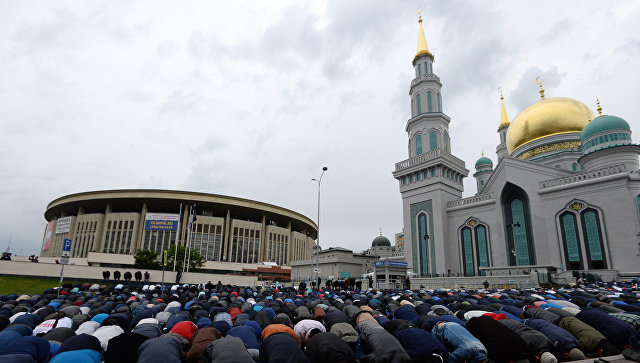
(253, 98)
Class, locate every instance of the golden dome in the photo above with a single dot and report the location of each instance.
(547, 117)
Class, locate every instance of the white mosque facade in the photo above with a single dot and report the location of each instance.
(565, 192)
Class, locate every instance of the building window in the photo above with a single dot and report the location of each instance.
(404, 180)
(410, 178)
(467, 252)
(571, 241)
(426, 68)
(429, 105)
(433, 172)
(419, 69)
(593, 239)
(433, 140)
(482, 249)
(418, 177)
(439, 102)
(418, 104)
(418, 144)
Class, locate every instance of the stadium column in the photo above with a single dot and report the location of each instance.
(262, 242)
(227, 233)
(107, 210)
(143, 215)
(288, 245)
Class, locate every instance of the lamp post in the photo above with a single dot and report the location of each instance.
(513, 236)
(319, 180)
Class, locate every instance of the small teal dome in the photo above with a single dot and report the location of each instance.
(484, 161)
(380, 241)
(602, 124)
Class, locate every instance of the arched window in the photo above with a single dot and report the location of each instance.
(571, 241)
(590, 219)
(418, 104)
(423, 237)
(467, 252)
(439, 102)
(426, 68)
(433, 140)
(420, 69)
(520, 247)
(482, 250)
(429, 105)
(638, 203)
(418, 144)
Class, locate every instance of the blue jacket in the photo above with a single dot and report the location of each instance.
(74, 356)
(615, 330)
(562, 340)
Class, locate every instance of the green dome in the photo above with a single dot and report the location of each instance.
(484, 161)
(603, 123)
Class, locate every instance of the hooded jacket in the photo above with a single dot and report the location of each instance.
(124, 348)
(75, 356)
(502, 343)
(421, 345)
(379, 345)
(588, 338)
(304, 327)
(536, 341)
(36, 347)
(281, 347)
(199, 342)
(104, 333)
(162, 349)
(80, 342)
(328, 347)
(228, 350)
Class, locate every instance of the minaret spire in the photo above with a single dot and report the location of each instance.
(599, 107)
(422, 40)
(504, 118)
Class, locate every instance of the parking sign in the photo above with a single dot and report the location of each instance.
(66, 248)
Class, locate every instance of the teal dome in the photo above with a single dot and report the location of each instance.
(602, 124)
(484, 161)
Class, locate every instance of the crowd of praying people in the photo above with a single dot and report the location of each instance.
(224, 323)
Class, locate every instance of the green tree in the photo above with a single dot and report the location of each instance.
(196, 261)
(146, 259)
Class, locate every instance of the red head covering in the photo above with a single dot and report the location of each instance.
(185, 329)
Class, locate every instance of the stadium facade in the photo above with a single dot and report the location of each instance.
(118, 223)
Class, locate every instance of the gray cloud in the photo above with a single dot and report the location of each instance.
(526, 92)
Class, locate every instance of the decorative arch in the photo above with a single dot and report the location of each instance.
(445, 142)
(418, 104)
(429, 101)
(478, 254)
(517, 223)
(468, 265)
(583, 242)
(433, 139)
(418, 142)
(439, 102)
(422, 230)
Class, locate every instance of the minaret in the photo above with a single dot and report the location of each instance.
(431, 176)
(484, 169)
(501, 150)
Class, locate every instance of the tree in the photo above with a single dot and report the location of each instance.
(196, 261)
(148, 260)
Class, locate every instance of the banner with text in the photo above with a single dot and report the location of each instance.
(63, 225)
(161, 222)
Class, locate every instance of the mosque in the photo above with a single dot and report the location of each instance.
(563, 195)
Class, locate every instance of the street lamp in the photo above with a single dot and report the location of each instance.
(319, 180)
(513, 236)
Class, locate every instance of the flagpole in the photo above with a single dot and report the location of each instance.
(175, 255)
(184, 259)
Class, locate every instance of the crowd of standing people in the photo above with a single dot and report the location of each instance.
(132, 322)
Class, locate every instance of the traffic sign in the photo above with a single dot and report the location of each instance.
(64, 260)
(66, 248)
